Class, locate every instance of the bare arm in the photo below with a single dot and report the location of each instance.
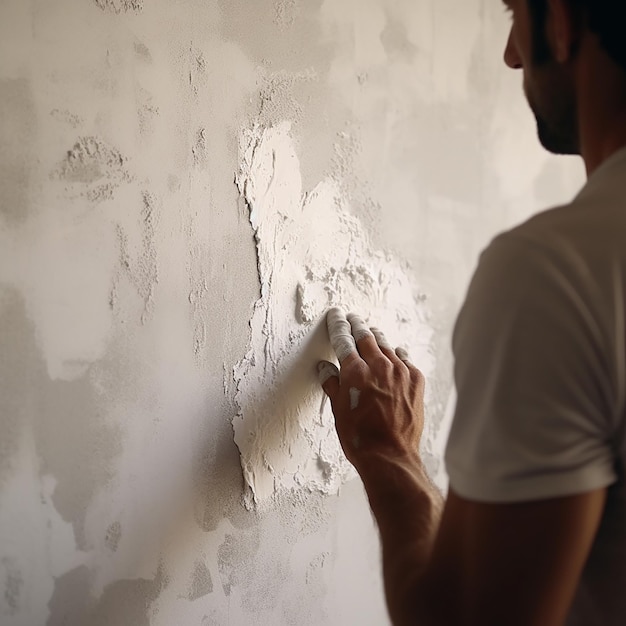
(407, 508)
(515, 564)
(481, 564)
(478, 564)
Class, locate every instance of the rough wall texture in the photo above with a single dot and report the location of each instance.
(184, 186)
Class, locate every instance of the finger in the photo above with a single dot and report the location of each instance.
(364, 338)
(340, 334)
(328, 375)
(416, 375)
(381, 340)
(384, 345)
(403, 355)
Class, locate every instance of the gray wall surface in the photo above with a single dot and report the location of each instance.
(185, 187)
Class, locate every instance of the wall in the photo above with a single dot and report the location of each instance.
(184, 187)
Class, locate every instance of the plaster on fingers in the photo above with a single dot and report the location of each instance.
(381, 340)
(326, 370)
(403, 355)
(359, 328)
(340, 333)
(355, 395)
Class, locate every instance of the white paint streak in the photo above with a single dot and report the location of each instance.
(312, 255)
(355, 395)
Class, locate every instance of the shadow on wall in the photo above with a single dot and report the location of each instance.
(123, 603)
(78, 448)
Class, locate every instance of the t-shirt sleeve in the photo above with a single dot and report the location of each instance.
(534, 414)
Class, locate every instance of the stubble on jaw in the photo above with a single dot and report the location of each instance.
(556, 113)
(550, 95)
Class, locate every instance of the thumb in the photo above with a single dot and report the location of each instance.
(328, 375)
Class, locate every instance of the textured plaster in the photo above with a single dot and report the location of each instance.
(129, 280)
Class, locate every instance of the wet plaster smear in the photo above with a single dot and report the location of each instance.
(185, 189)
(313, 253)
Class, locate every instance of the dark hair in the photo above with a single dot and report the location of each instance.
(606, 18)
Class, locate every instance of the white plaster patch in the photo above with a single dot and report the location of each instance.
(355, 395)
(312, 254)
(93, 169)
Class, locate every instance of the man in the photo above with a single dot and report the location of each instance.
(533, 531)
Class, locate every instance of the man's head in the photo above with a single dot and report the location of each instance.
(544, 42)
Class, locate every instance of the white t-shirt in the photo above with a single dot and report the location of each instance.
(540, 349)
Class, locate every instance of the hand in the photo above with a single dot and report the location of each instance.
(378, 395)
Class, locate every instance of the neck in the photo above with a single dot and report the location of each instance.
(602, 107)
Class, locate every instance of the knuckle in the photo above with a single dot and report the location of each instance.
(415, 372)
(403, 374)
(418, 377)
(384, 366)
(355, 372)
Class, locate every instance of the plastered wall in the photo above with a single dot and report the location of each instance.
(185, 185)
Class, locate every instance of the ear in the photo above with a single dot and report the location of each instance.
(563, 29)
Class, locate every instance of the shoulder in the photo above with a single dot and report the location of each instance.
(547, 234)
(541, 277)
(535, 376)
(583, 236)
(568, 244)
(521, 262)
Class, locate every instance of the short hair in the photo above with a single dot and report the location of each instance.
(606, 18)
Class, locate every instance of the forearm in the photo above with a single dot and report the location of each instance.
(380, 433)
(407, 508)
